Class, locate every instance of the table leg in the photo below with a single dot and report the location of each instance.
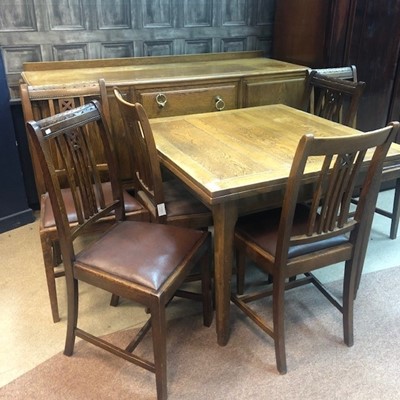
(225, 216)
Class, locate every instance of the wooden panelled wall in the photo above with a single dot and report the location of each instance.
(48, 30)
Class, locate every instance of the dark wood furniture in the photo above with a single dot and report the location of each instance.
(298, 239)
(324, 34)
(300, 31)
(177, 85)
(142, 261)
(244, 171)
(45, 101)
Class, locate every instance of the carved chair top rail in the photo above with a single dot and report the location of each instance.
(67, 90)
(348, 73)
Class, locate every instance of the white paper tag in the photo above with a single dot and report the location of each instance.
(47, 131)
(161, 209)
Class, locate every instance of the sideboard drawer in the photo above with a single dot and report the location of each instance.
(170, 101)
(266, 90)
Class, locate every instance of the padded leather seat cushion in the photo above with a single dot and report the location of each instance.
(131, 205)
(262, 228)
(179, 201)
(129, 249)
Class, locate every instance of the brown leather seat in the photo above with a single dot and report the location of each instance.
(141, 261)
(131, 205)
(156, 251)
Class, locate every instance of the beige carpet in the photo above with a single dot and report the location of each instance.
(320, 365)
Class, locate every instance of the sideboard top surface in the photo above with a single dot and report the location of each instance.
(144, 70)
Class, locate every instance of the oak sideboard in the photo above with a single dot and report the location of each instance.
(174, 85)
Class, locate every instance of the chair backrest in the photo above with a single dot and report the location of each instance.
(348, 73)
(332, 98)
(144, 157)
(39, 102)
(69, 132)
(342, 161)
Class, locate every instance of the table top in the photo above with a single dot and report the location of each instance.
(235, 154)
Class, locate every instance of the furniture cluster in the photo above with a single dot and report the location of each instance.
(241, 173)
(140, 157)
(166, 86)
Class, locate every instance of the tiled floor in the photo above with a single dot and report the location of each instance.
(28, 335)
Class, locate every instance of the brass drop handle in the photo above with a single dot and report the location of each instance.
(219, 103)
(161, 100)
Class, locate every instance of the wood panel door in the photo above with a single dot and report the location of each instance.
(394, 112)
(365, 33)
(374, 49)
(300, 31)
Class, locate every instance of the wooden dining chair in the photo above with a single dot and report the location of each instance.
(391, 173)
(168, 201)
(45, 101)
(142, 261)
(332, 98)
(297, 239)
(39, 102)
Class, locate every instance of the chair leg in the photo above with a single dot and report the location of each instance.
(240, 271)
(114, 300)
(57, 253)
(158, 326)
(279, 323)
(49, 264)
(73, 299)
(359, 262)
(349, 283)
(396, 211)
(206, 291)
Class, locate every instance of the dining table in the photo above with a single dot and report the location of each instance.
(237, 162)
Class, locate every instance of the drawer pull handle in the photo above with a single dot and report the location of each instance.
(219, 103)
(161, 100)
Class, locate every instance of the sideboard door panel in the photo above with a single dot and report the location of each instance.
(285, 90)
